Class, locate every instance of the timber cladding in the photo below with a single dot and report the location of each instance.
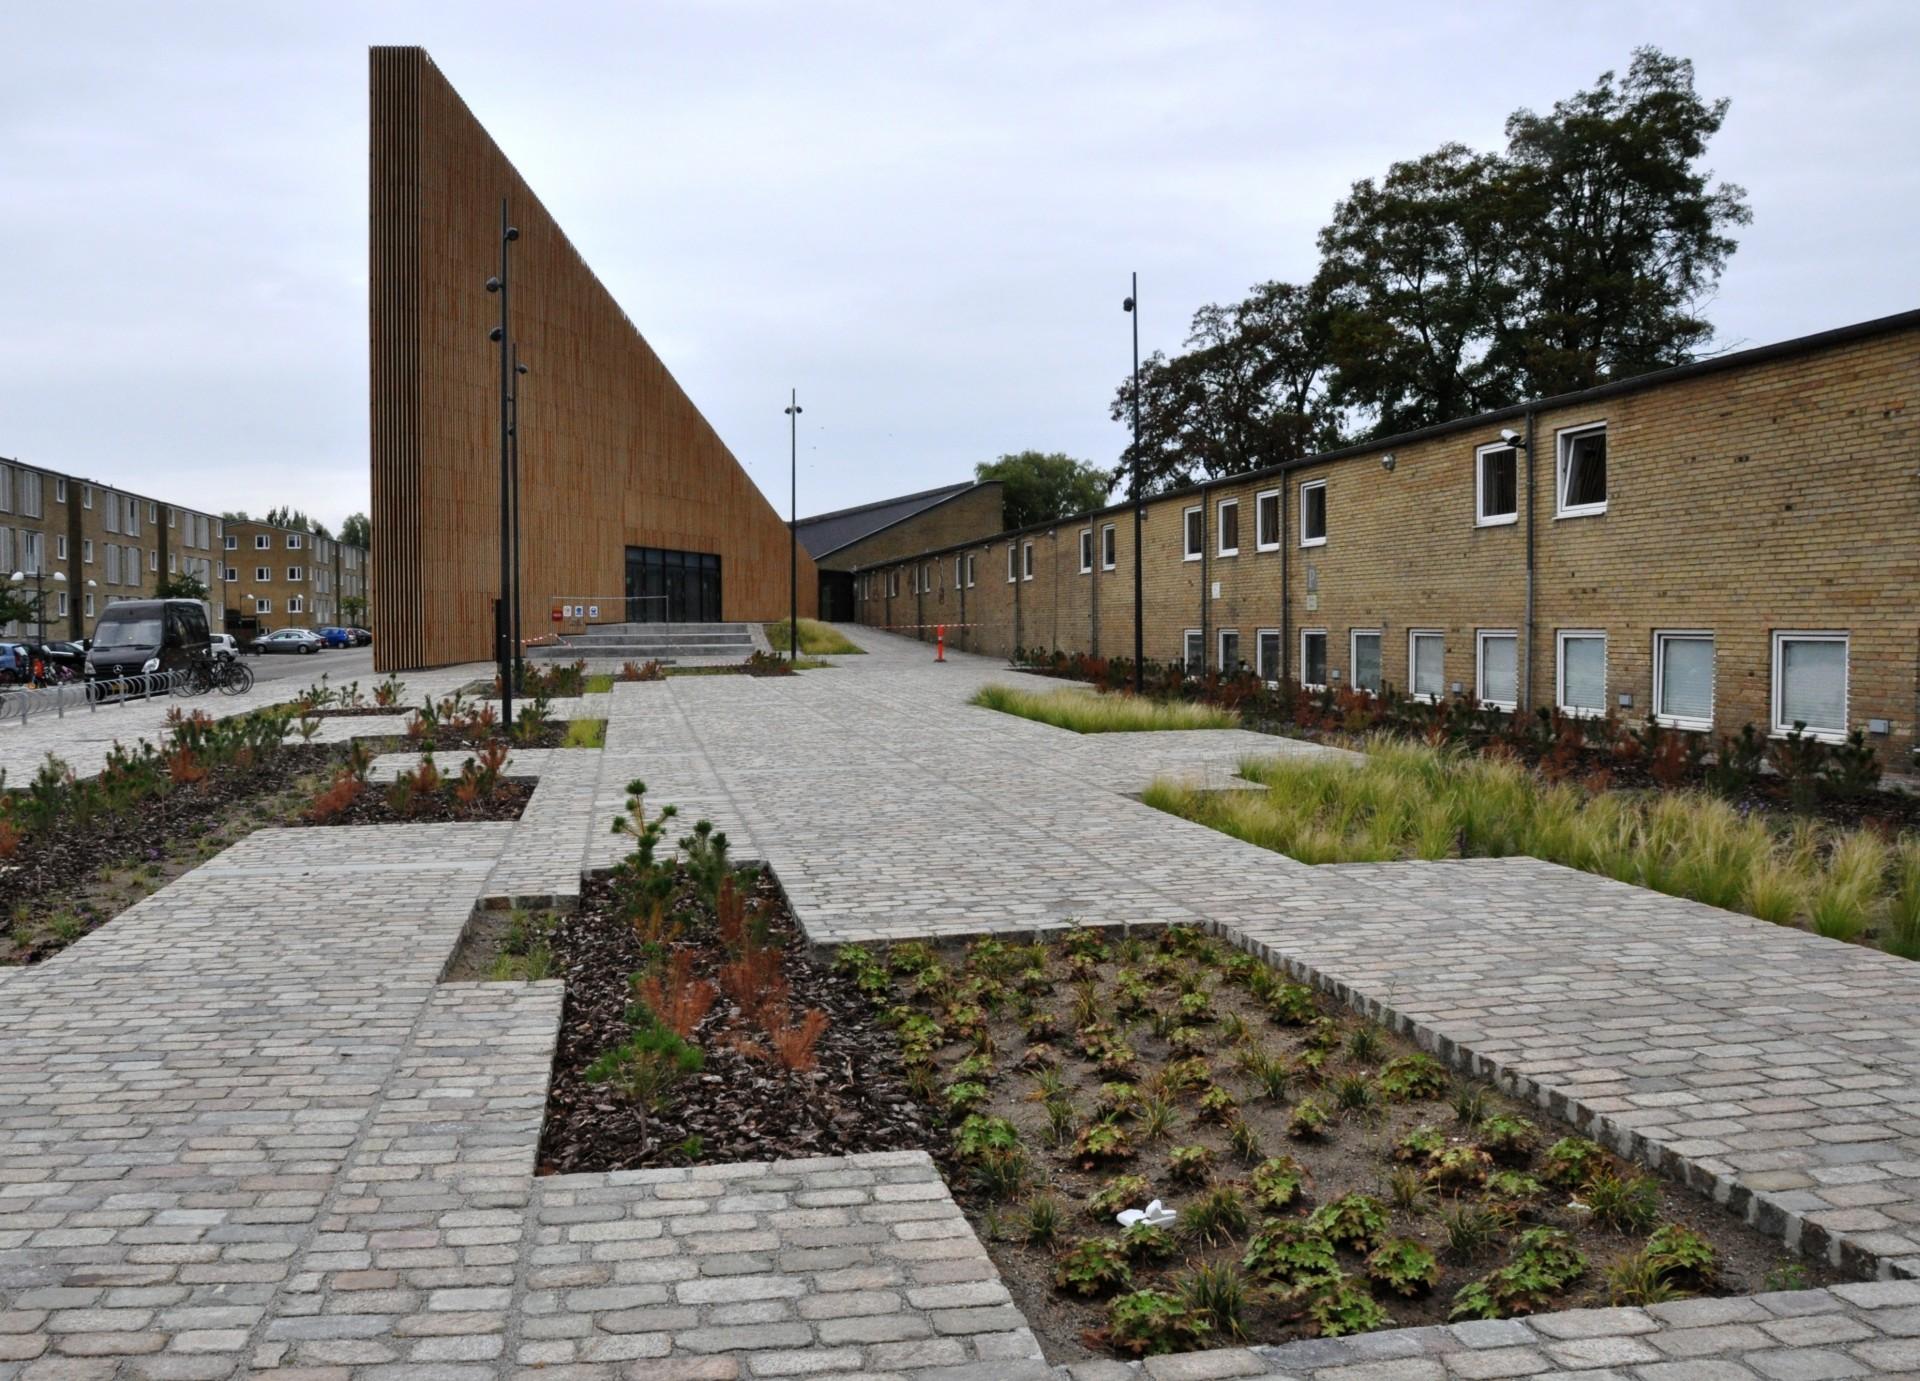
(612, 452)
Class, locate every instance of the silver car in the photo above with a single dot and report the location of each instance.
(287, 640)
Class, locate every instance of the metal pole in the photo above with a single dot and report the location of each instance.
(1139, 627)
(504, 623)
(793, 529)
(519, 373)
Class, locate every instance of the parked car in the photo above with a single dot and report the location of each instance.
(287, 640)
(336, 637)
(145, 635)
(223, 647)
(361, 637)
(13, 662)
(63, 660)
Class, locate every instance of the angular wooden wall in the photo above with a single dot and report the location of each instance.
(612, 452)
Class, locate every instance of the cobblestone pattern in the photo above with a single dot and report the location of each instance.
(1808, 1335)
(853, 1266)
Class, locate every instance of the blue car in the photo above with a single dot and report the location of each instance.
(336, 637)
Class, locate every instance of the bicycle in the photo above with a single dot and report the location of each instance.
(233, 676)
(196, 678)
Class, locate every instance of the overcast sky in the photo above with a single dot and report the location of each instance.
(923, 217)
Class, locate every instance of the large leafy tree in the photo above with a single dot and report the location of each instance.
(180, 585)
(1462, 281)
(1043, 485)
(356, 531)
(1250, 387)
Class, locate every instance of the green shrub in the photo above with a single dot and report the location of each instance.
(1189, 1164)
(1119, 1193)
(1353, 1220)
(1091, 1267)
(1277, 1183)
(1571, 1161)
(1684, 1255)
(1218, 1295)
(1146, 1323)
(1412, 1078)
(1508, 1138)
(1420, 1146)
(1289, 1257)
(1099, 1142)
(1308, 1120)
(979, 1135)
(1219, 1215)
(1344, 1307)
(1403, 1266)
(1625, 1203)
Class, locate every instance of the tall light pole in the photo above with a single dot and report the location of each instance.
(503, 620)
(1132, 308)
(519, 374)
(793, 525)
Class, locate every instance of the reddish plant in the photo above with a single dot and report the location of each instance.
(730, 911)
(792, 1045)
(754, 981)
(334, 802)
(9, 839)
(679, 1001)
(184, 768)
(1669, 763)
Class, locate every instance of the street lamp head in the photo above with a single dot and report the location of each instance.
(1512, 438)
(60, 576)
(19, 575)
(1127, 305)
(794, 409)
(493, 285)
(519, 369)
(494, 335)
(513, 232)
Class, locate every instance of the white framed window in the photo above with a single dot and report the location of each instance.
(230, 542)
(153, 559)
(230, 574)
(959, 570)
(173, 516)
(1267, 651)
(86, 501)
(1582, 470)
(28, 494)
(111, 513)
(1363, 655)
(1313, 513)
(262, 574)
(62, 596)
(152, 512)
(1496, 668)
(113, 564)
(1086, 551)
(1026, 561)
(1195, 522)
(263, 606)
(1194, 651)
(32, 552)
(1683, 679)
(1108, 547)
(1266, 520)
(893, 583)
(1427, 662)
(173, 563)
(60, 547)
(132, 528)
(1227, 519)
(262, 542)
(86, 550)
(296, 605)
(969, 570)
(1581, 662)
(294, 542)
(1496, 485)
(1229, 651)
(6, 489)
(926, 578)
(1313, 658)
(1013, 567)
(1810, 674)
(60, 496)
(89, 606)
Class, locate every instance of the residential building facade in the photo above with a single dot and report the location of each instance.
(848, 539)
(1733, 541)
(285, 577)
(93, 545)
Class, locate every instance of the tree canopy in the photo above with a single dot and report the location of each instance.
(1043, 485)
(1463, 281)
(180, 585)
(356, 531)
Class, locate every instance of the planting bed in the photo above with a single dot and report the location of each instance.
(1328, 1178)
(376, 806)
(738, 1106)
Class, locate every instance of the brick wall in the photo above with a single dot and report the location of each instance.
(1765, 495)
(965, 515)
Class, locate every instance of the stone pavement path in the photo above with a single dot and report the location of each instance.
(244, 1131)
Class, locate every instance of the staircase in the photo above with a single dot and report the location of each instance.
(656, 642)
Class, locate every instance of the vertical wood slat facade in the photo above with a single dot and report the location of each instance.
(612, 452)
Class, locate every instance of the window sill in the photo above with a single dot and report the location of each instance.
(1106, 566)
(1266, 546)
(1313, 541)
(1578, 712)
(1780, 732)
(1191, 556)
(1499, 520)
(1508, 706)
(1692, 726)
(1228, 551)
(1588, 511)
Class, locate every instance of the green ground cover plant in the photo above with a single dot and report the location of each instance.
(1409, 1203)
(1404, 800)
(585, 733)
(816, 639)
(1103, 714)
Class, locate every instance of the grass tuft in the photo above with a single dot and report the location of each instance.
(816, 639)
(1092, 712)
(586, 733)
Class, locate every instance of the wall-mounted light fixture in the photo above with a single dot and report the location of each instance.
(1387, 462)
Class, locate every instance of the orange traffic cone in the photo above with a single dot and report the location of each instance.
(940, 643)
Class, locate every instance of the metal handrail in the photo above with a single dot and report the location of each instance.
(23, 704)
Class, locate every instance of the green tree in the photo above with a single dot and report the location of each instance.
(18, 602)
(1043, 485)
(1249, 390)
(356, 531)
(1618, 236)
(180, 585)
(288, 517)
(354, 609)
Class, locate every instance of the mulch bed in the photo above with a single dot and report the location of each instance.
(1354, 1155)
(508, 802)
(741, 1108)
(53, 873)
(360, 711)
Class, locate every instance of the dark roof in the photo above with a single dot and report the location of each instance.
(828, 532)
(1713, 364)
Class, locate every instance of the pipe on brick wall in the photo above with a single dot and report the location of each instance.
(1286, 561)
(1526, 672)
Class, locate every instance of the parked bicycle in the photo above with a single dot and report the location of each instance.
(229, 675)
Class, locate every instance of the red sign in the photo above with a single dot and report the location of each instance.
(556, 616)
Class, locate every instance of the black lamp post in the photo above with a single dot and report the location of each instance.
(1132, 308)
(503, 622)
(793, 529)
(519, 374)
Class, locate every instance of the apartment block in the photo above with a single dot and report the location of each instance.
(94, 545)
(281, 577)
(1731, 541)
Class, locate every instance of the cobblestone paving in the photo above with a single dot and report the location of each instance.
(243, 1132)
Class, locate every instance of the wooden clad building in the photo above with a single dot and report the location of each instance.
(628, 496)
